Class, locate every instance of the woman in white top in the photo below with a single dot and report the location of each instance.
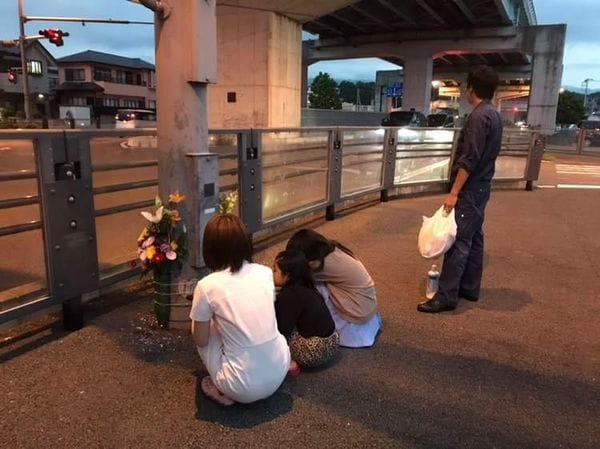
(233, 318)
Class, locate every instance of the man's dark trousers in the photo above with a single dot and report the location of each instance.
(463, 263)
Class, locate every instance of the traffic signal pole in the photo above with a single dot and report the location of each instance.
(22, 48)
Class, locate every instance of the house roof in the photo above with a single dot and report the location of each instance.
(16, 52)
(107, 59)
(79, 86)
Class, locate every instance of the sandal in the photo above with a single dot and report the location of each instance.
(211, 391)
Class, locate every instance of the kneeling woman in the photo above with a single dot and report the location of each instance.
(233, 318)
(346, 285)
(302, 316)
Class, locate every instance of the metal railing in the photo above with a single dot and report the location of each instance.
(279, 174)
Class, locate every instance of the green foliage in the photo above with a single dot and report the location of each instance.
(349, 90)
(324, 93)
(570, 108)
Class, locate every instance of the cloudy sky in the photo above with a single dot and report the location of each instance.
(582, 52)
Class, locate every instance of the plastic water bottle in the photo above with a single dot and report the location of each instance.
(433, 278)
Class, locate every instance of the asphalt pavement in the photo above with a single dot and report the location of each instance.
(518, 369)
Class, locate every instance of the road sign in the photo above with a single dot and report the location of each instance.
(394, 90)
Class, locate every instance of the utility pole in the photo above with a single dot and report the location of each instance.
(586, 82)
(22, 49)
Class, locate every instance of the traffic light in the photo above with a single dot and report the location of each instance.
(54, 36)
(12, 76)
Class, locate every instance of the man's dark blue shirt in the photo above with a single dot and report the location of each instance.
(478, 145)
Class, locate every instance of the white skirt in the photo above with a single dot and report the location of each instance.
(352, 335)
(252, 373)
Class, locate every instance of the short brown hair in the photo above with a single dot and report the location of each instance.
(226, 244)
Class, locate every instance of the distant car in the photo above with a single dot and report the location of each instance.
(412, 119)
(440, 120)
(135, 118)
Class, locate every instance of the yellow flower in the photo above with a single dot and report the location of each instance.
(150, 251)
(174, 246)
(176, 197)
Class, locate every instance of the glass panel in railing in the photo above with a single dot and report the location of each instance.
(125, 173)
(591, 140)
(24, 272)
(294, 171)
(23, 267)
(423, 155)
(226, 146)
(564, 139)
(362, 160)
(512, 160)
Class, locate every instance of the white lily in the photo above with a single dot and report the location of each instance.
(154, 218)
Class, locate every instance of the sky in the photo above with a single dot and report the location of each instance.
(581, 60)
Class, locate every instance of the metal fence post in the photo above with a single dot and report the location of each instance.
(334, 171)
(250, 180)
(534, 160)
(69, 225)
(389, 163)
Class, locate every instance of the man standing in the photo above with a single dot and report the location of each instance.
(470, 177)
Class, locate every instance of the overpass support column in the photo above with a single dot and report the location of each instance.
(547, 52)
(304, 77)
(417, 83)
(464, 108)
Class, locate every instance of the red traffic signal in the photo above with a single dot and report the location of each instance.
(12, 76)
(54, 36)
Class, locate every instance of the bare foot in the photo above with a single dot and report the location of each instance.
(294, 369)
(210, 390)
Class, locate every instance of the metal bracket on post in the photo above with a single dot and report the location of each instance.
(250, 180)
(336, 150)
(69, 223)
(534, 160)
(204, 201)
(389, 163)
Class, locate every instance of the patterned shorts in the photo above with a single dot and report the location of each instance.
(313, 351)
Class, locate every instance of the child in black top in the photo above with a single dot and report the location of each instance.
(302, 316)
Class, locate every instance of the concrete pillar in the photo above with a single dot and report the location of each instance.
(304, 86)
(464, 107)
(547, 59)
(417, 83)
(185, 63)
(304, 77)
(260, 66)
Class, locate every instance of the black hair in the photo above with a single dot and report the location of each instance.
(483, 80)
(294, 265)
(226, 243)
(315, 246)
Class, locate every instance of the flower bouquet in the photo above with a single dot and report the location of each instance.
(162, 248)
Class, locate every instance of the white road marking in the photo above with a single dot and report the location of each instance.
(577, 186)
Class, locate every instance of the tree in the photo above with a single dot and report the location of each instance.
(324, 93)
(347, 91)
(570, 108)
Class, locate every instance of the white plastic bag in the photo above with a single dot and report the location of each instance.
(437, 234)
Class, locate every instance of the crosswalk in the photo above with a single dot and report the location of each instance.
(575, 176)
(578, 169)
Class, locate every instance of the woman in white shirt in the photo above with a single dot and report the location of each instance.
(233, 318)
